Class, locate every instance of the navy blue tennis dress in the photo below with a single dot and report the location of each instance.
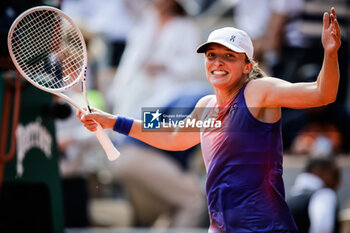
(245, 190)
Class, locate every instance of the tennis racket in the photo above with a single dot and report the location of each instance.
(49, 51)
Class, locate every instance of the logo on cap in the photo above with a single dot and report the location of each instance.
(232, 38)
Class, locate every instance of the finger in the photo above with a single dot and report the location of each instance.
(89, 121)
(335, 37)
(78, 114)
(90, 117)
(86, 118)
(91, 128)
(336, 27)
(91, 125)
(334, 21)
(331, 26)
(325, 20)
(333, 11)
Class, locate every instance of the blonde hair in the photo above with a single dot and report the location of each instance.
(256, 71)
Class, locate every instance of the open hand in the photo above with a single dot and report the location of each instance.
(330, 33)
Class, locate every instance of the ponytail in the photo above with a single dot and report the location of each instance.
(256, 71)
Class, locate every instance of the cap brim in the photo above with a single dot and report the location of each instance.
(203, 47)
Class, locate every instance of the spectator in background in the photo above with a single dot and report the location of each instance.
(267, 27)
(105, 26)
(158, 70)
(301, 45)
(163, 32)
(314, 202)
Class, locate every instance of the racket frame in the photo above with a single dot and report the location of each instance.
(81, 74)
(111, 151)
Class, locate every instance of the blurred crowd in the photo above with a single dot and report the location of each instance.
(142, 54)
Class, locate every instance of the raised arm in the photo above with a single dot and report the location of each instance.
(173, 139)
(273, 92)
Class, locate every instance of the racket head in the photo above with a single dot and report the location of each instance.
(48, 49)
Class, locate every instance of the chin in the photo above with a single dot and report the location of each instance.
(219, 82)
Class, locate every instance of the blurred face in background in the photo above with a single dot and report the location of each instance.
(332, 177)
(168, 7)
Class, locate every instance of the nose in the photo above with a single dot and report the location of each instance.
(219, 61)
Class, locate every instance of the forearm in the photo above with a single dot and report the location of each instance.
(328, 79)
(171, 139)
(180, 136)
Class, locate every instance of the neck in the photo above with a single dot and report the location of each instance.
(223, 96)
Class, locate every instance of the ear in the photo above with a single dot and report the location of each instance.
(247, 68)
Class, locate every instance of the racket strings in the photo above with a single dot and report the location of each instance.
(48, 49)
(40, 55)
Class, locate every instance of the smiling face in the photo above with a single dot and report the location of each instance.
(225, 68)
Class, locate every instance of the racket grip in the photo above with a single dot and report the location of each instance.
(105, 141)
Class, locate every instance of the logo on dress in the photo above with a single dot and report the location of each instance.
(233, 108)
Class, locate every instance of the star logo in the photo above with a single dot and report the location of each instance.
(156, 115)
(151, 119)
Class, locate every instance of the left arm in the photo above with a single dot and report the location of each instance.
(280, 93)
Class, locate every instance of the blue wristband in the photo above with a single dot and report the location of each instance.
(123, 125)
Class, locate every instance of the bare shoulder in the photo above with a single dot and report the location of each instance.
(201, 105)
(263, 82)
(257, 90)
(203, 102)
(256, 94)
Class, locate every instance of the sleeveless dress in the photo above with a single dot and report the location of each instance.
(245, 190)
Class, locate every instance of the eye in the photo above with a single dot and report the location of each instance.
(210, 55)
(230, 55)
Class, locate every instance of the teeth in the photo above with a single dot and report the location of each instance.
(219, 72)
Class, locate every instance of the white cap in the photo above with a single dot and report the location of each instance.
(232, 38)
